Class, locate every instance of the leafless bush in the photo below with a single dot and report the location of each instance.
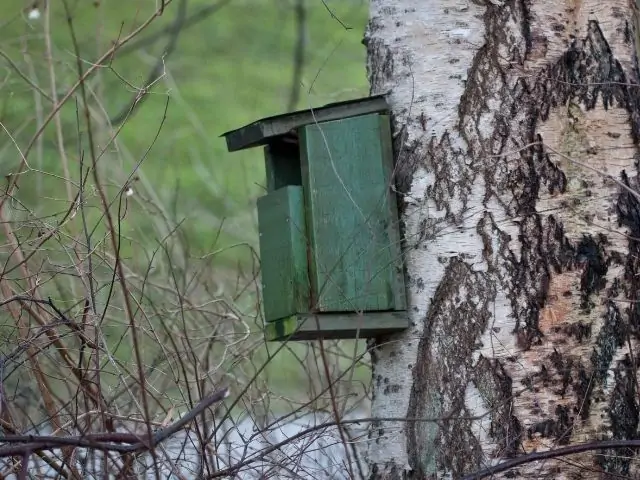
(119, 344)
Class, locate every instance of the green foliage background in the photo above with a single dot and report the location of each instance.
(227, 70)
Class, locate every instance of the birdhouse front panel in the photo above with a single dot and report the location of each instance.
(283, 249)
(355, 262)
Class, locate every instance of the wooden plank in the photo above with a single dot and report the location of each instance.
(395, 247)
(283, 253)
(335, 326)
(261, 131)
(351, 215)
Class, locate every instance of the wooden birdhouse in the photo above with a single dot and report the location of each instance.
(331, 261)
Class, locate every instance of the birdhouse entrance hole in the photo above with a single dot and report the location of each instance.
(282, 163)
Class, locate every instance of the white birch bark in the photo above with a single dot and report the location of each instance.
(520, 258)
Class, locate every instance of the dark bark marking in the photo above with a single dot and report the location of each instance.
(488, 231)
(588, 71)
(452, 177)
(556, 246)
(591, 253)
(377, 49)
(611, 337)
(559, 428)
(580, 331)
(624, 416)
(530, 281)
(390, 471)
(495, 387)
(454, 324)
(563, 368)
(628, 208)
(584, 388)
(525, 26)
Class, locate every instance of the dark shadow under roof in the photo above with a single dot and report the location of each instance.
(259, 132)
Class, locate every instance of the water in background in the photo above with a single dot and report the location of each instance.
(319, 454)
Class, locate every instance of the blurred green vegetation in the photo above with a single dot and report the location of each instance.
(228, 69)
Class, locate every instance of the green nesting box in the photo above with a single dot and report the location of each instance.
(329, 239)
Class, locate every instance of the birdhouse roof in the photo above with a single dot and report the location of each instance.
(262, 131)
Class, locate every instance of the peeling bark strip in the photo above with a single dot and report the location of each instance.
(523, 264)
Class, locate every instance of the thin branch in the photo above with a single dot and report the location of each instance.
(114, 235)
(298, 53)
(57, 120)
(334, 405)
(550, 454)
(193, 19)
(111, 441)
(333, 15)
(158, 69)
(22, 75)
(13, 181)
(233, 470)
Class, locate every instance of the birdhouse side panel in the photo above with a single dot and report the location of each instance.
(396, 267)
(346, 180)
(283, 253)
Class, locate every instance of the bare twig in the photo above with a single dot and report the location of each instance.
(196, 17)
(98, 64)
(114, 235)
(550, 454)
(333, 15)
(22, 75)
(21, 444)
(157, 71)
(298, 52)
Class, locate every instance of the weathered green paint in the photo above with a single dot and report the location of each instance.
(283, 253)
(266, 130)
(351, 215)
(334, 326)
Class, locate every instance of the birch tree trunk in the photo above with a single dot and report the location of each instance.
(516, 130)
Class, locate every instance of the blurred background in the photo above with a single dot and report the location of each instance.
(129, 233)
(228, 63)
